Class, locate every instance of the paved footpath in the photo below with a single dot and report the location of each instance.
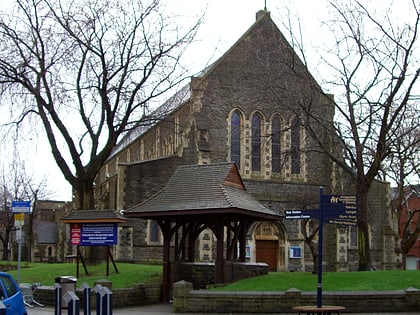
(161, 309)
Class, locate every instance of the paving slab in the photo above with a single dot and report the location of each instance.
(165, 308)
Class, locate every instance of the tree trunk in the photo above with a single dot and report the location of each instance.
(30, 236)
(365, 258)
(5, 242)
(404, 261)
(86, 195)
(314, 252)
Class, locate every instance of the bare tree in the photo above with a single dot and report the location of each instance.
(377, 71)
(89, 70)
(374, 65)
(402, 166)
(17, 185)
(6, 219)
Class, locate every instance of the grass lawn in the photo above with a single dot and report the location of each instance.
(331, 281)
(129, 274)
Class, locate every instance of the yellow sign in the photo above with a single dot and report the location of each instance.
(19, 216)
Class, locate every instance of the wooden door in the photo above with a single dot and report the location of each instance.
(267, 251)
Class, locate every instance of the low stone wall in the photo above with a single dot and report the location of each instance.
(187, 300)
(141, 294)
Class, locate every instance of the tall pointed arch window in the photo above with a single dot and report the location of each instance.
(235, 138)
(295, 146)
(256, 143)
(276, 145)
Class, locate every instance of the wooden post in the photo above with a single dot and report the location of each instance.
(166, 268)
(107, 261)
(77, 260)
(242, 242)
(219, 276)
(79, 256)
(112, 259)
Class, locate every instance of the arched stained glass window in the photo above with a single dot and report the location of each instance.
(276, 145)
(295, 146)
(256, 143)
(235, 139)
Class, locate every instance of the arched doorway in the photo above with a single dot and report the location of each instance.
(270, 246)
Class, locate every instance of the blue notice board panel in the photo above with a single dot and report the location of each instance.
(94, 234)
(295, 252)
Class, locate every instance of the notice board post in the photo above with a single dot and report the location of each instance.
(94, 228)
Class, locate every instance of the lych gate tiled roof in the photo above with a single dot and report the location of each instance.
(93, 216)
(202, 189)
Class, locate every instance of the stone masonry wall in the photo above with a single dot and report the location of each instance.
(202, 274)
(187, 300)
(141, 294)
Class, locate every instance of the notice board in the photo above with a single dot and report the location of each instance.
(93, 234)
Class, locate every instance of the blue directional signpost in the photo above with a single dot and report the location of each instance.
(333, 209)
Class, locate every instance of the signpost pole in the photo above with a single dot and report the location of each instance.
(19, 237)
(19, 208)
(320, 232)
(333, 209)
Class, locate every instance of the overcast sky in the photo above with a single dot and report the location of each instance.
(225, 21)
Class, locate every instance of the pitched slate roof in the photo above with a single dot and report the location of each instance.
(93, 216)
(203, 189)
(173, 103)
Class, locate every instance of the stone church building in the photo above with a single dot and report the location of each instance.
(250, 107)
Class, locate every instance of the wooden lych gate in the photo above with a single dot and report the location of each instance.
(198, 197)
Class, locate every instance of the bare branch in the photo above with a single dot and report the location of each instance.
(90, 71)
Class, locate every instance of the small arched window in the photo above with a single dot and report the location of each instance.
(154, 231)
(256, 143)
(295, 146)
(276, 145)
(235, 138)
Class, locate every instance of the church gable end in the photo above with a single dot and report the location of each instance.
(240, 129)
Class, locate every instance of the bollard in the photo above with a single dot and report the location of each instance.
(73, 303)
(2, 308)
(86, 298)
(103, 300)
(57, 298)
(96, 289)
(106, 301)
